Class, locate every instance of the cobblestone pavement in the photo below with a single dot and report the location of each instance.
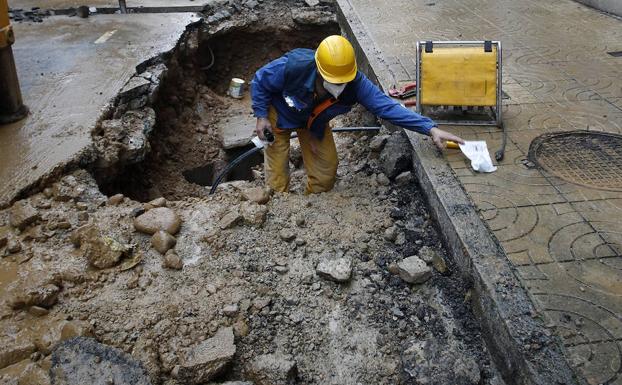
(563, 238)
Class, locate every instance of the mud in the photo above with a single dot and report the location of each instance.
(246, 265)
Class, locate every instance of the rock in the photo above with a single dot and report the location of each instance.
(390, 234)
(338, 270)
(256, 194)
(204, 361)
(261, 302)
(396, 156)
(312, 16)
(100, 250)
(73, 363)
(439, 264)
(230, 219)
(257, 175)
(300, 220)
(163, 241)
(159, 218)
(4, 235)
(22, 214)
(240, 328)
(158, 202)
(312, 3)
(273, 369)
(427, 254)
(13, 246)
(230, 310)
(236, 383)
(67, 189)
(404, 178)
(44, 296)
(383, 180)
(287, 235)
(281, 269)
(15, 348)
(38, 311)
(57, 332)
(377, 143)
(115, 200)
(26, 373)
(253, 213)
(414, 270)
(172, 261)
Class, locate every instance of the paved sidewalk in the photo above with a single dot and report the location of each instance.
(563, 239)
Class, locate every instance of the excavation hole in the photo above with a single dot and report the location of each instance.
(202, 175)
(188, 146)
(207, 174)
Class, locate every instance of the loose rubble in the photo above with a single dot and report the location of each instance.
(338, 270)
(156, 219)
(163, 241)
(273, 369)
(246, 286)
(414, 270)
(202, 362)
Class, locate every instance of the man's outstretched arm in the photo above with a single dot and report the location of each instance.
(379, 104)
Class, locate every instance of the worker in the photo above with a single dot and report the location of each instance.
(302, 91)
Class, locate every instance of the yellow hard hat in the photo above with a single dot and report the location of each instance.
(335, 60)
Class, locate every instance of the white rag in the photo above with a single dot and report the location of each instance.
(477, 152)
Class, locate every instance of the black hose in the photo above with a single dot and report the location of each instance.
(253, 150)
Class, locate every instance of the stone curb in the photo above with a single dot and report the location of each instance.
(510, 323)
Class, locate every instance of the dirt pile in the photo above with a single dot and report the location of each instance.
(313, 280)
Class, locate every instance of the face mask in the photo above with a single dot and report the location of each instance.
(334, 89)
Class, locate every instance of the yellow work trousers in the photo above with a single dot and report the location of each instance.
(321, 165)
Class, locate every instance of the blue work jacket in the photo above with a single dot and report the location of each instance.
(288, 83)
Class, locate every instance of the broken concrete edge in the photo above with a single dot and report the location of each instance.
(510, 323)
(117, 106)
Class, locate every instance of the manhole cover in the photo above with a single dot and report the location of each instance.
(592, 159)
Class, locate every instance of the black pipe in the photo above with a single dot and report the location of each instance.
(253, 150)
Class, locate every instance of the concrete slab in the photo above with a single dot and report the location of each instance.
(238, 128)
(562, 240)
(67, 77)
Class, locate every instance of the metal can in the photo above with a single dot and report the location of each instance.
(236, 88)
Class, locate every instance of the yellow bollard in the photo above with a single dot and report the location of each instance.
(11, 105)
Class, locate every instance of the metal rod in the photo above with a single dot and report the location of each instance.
(418, 107)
